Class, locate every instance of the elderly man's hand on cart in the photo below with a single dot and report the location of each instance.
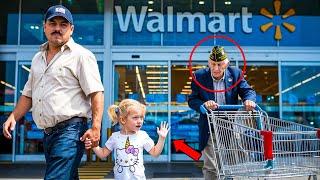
(249, 105)
(211, 105)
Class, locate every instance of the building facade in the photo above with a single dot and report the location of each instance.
(143, 48)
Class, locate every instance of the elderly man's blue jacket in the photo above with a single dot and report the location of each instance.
(200, 96)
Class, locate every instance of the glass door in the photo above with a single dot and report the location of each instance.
(147, 83)
(184, 120)
(7, 89)
(263, 78)
(28, 139)
(301, 93)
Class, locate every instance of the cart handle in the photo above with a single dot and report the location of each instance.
(204, 110)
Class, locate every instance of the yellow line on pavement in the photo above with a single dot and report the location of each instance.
(94, 170)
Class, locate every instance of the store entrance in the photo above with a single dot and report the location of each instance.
(7, 94)
(184, 120)
(147, 83)
(165, 89)
(263, 78)
(28, 138)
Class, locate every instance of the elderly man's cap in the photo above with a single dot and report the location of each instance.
(58, 10)
(218, 54)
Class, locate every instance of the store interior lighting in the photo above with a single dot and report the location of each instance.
(156, 72)
(153, 78)
(157, 82)
(7, 85)
(140, 82)
(25, 68)
(157, 87)
(299, 84)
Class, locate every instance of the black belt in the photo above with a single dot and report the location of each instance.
(64, 124)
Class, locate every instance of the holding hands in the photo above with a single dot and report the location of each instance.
(93, 135)
(88, 143)
(164, 129)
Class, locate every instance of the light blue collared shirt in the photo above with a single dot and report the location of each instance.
(220, 97)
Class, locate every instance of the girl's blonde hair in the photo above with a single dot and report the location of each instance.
(121, 110)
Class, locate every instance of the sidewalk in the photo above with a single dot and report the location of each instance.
(154, 171)
(159, 171)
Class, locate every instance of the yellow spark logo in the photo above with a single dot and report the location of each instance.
(288, 26)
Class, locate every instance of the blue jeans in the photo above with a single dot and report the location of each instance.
(63, 151)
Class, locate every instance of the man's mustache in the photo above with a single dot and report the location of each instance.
(56, 32)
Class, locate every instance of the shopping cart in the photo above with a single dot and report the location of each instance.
(249, 144)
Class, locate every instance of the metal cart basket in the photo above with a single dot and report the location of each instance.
(249, 144)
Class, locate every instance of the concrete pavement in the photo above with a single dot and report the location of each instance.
(154, 171)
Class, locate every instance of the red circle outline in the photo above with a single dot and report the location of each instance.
(217, 37)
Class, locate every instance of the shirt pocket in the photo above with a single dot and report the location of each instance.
(56, 76)
(60, 71)
(67, 76)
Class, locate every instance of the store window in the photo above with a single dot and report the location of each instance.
(254, 7)
(9, 21)
(147, 84)
(306, 21)
(184, 120)
(132, 22)
(264, 80)
(7, 90)
(302, 17)
(308, 8)
(28, 136)
(186, 22)
(87, 17)
(301, 94)
(243, 21)
(299, 27)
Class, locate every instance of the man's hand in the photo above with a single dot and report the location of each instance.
(94, 135)
(8, 126)
(211, 105)
(23, 106)
(97, 110)
(249, 105)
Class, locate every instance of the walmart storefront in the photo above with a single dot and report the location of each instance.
(143, 47)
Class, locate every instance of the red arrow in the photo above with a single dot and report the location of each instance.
(180, 145)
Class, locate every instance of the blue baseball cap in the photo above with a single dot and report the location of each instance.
(59, 10)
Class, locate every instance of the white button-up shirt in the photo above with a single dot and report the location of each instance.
(60, 90)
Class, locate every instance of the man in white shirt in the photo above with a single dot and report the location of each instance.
(64, 89)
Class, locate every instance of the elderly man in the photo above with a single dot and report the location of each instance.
(64, 90)
(218, 76)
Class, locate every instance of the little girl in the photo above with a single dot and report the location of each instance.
(129, 142)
